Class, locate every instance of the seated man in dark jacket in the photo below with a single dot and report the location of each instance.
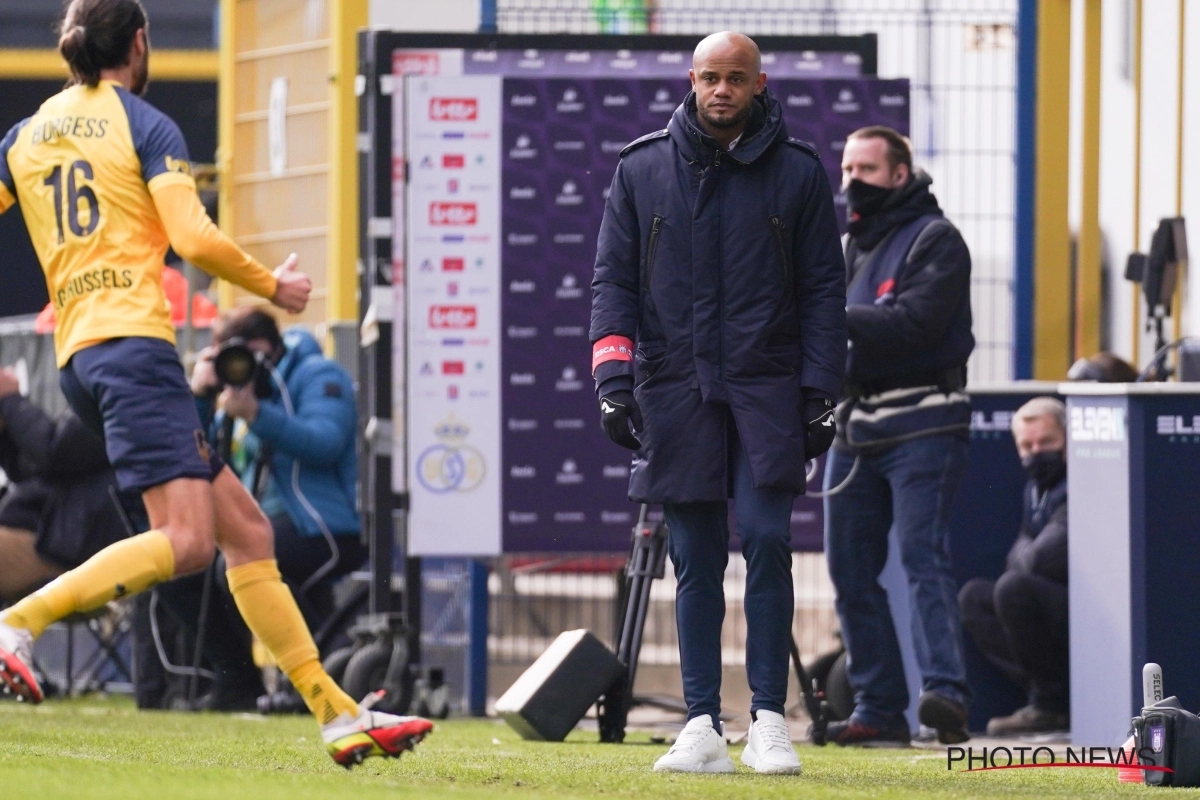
(303, 435)
(1020, 620)
(60, 505)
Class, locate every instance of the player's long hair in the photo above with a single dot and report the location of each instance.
(96, 35)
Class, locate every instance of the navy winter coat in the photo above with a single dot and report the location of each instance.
(727, 271)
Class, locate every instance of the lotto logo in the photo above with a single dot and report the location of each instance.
(453, 214)
(453, 317)
(415, 63)
(452, 265)
(453, 161)
(453, 109)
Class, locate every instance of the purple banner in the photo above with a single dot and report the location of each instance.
(645, 63)
(564, 483)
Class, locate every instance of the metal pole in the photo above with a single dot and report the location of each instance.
(487, 16)
(1136, 333)
(1026, 184)
(189, 324)
(1181, 280)
(201, 633)
(1087, 318)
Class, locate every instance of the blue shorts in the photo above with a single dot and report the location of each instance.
(133, 392)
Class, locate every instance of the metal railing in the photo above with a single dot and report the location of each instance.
(532, 599)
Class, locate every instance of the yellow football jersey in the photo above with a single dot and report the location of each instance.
(82, 169)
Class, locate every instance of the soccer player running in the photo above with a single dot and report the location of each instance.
(105, 184)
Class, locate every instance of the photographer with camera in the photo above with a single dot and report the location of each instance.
(290, 412)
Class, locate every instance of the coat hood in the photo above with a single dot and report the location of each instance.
(764, 129)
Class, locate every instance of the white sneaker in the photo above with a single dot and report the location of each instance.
(16, 661)
(699, 748)
(769, 747)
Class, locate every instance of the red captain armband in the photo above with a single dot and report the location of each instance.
(611, 348)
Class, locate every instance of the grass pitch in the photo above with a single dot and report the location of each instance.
(107, 749)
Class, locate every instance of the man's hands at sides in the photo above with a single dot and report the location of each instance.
(292, 288)
(819, 427)
(618, 411)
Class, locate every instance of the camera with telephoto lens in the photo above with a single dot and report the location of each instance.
(236, 364)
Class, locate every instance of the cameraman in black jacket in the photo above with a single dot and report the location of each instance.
(902, 432)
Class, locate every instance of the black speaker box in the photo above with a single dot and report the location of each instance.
(558, 689)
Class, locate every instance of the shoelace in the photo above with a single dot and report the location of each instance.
(371, 699)
(774, 736)
(690, 738)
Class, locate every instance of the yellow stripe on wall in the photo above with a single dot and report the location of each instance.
(346, 18)
(226, 115)
(1052, 237)
(1087, 308)
(170, 65)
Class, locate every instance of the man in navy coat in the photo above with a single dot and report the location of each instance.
(719, 343)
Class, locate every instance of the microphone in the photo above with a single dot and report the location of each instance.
(1152, 684)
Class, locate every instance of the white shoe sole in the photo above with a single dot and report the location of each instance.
(721, 765)
(750, 759)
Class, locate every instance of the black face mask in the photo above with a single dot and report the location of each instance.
(1046, 468)
(864, 199)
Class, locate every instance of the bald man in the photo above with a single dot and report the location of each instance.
(719, 340)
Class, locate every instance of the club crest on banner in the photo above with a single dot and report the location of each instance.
(451, 465)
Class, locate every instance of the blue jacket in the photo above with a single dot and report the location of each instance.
(313, 447)
(727, 271)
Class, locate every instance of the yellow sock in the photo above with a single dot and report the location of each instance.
(125, 567)
(270, 612)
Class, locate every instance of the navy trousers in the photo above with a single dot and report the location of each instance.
(910, 487)
(699, 548)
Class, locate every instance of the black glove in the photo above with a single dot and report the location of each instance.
(617, 411)
(819, 428)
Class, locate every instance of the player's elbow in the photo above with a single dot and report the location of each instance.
(188, 247)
